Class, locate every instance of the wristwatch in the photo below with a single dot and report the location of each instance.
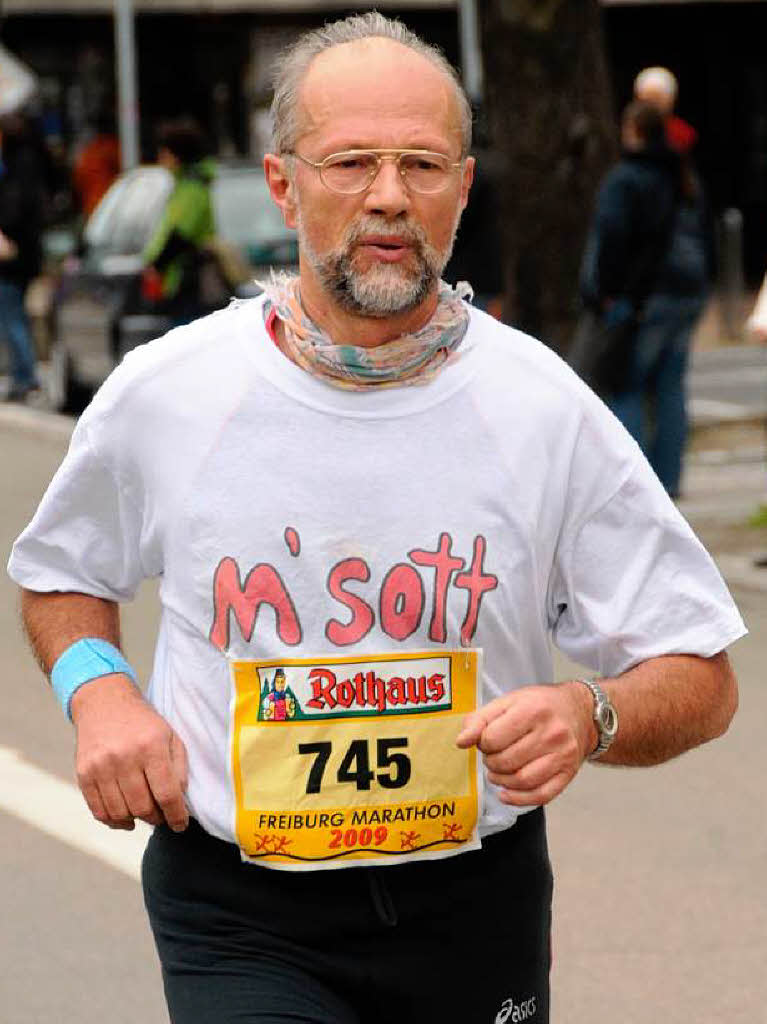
(605, 718)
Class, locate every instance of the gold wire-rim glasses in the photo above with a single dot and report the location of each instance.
(443, 165)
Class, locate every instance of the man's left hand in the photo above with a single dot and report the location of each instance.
(533, 740)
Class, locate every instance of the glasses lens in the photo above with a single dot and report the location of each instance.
(349, 172)
(425, 172)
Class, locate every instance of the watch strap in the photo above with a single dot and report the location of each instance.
(601, 700)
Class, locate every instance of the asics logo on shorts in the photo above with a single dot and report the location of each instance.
(511, 1012)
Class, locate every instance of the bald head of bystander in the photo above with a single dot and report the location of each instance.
(659, 87)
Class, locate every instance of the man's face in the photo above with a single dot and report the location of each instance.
(382, 251)
(395, 280)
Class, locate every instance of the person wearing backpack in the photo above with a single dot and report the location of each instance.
(176, 251)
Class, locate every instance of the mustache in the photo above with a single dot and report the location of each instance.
(404, 230)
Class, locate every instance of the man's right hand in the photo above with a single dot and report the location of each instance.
(130, 763)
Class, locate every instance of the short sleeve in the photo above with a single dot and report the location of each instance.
(86, 533)
(634, 582)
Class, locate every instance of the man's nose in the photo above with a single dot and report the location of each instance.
(388, 193)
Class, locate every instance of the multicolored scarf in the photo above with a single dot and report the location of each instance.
(411, 359)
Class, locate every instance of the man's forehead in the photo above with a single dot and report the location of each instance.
(377, 78)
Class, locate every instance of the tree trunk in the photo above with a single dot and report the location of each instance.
(551, 121)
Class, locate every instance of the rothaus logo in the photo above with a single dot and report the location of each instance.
(515, 1012)
(355, 687)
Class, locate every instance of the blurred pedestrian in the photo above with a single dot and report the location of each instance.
(757, 328)
(757, 321)
(658, 87)
(97, 164)
(648, 261)
(22, 204)
(176, 251)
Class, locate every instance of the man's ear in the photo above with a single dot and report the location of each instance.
(467, 177)
(281, 187)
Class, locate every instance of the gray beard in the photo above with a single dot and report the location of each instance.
(383, 289)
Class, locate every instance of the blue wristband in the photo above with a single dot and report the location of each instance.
(83, 661)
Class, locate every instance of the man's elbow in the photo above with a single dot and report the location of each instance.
(727, 693)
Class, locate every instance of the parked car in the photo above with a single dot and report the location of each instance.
(99, 312)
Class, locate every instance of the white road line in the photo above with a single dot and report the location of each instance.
(57, 807)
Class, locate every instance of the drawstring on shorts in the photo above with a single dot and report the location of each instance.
(381, 897)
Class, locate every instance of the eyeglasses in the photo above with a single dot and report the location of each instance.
(355, 170)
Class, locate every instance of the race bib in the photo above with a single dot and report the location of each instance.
(339, 761)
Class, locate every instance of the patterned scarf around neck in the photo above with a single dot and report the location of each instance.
(411, 359)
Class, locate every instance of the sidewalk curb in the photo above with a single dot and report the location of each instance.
(717, 433)
(39, 422)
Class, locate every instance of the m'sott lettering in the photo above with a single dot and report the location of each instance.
(402, 596)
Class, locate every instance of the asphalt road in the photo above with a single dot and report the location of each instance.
(659, 907)
(74, 945)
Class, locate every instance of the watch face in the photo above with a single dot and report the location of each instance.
(608, 720)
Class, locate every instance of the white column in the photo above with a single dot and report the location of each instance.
(471, 54)
(127, 91)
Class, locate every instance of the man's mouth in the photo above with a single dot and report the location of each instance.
(384, 248)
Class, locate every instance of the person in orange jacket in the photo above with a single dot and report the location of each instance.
(97, 165)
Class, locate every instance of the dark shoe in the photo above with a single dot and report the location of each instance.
(20, 394)
(760, 562)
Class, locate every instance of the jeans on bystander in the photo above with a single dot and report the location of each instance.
(14, 327)
(652, 407)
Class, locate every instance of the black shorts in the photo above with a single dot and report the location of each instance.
(464, 940)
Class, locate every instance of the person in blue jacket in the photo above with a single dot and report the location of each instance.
(648, 255)
(22, 203)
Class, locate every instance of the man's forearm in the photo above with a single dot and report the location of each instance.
(130, 763)
(535, 739)
(669, 705)
(54, 621)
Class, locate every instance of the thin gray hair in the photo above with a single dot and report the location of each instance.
(293, 63)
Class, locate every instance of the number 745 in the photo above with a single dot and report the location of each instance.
(355, 764)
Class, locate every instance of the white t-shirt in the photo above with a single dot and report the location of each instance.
(210, 460)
